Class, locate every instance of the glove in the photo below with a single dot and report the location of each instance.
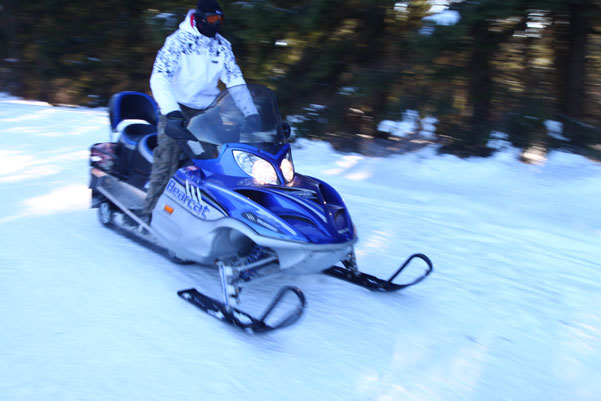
(253, 123)
(175, 115)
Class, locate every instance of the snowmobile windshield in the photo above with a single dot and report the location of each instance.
(241, 114)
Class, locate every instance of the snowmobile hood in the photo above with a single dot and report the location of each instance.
(307, 210)
(310, 209)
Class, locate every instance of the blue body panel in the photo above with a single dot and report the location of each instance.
(304, 210)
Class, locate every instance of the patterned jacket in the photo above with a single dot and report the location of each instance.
(189, 66)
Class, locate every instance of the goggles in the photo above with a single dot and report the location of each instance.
(213, 18)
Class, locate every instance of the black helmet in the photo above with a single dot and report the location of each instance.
(209, 17)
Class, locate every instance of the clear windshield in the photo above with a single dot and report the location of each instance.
(242, 114)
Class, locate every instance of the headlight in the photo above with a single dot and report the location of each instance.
(287, 167)
(258, 168)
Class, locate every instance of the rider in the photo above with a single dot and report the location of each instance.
(184, 81)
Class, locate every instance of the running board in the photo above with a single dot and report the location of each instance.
(126, 197)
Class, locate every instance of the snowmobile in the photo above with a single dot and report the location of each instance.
(235, 203)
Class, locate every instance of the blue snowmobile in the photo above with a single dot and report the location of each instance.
(236, 201)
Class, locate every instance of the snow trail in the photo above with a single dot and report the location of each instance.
(511, 311)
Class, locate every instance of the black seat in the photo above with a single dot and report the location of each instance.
(133, 133)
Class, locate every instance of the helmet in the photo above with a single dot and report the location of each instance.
(209, 17)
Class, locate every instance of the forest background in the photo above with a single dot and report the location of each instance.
(342, 66)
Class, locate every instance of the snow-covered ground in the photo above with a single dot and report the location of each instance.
(511, 312)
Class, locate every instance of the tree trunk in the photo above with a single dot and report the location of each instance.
(12, 53)
(576, 63)
(570, 64)
(480, 85)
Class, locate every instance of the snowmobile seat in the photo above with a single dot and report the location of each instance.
(137, 163)
(146, 147)
(132, 134)
(132, 106)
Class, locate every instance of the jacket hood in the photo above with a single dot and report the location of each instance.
(188, 24)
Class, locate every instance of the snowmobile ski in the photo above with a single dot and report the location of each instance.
(243, 320)
(351, 274)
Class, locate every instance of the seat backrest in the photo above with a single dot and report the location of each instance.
(132, 106)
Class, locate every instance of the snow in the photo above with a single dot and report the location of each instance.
(445, 17)
(511, 311)
(555, 130)
(410, 124)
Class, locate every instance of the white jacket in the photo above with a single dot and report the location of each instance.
(189, 66)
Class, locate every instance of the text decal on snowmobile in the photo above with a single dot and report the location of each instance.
(190, 198)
